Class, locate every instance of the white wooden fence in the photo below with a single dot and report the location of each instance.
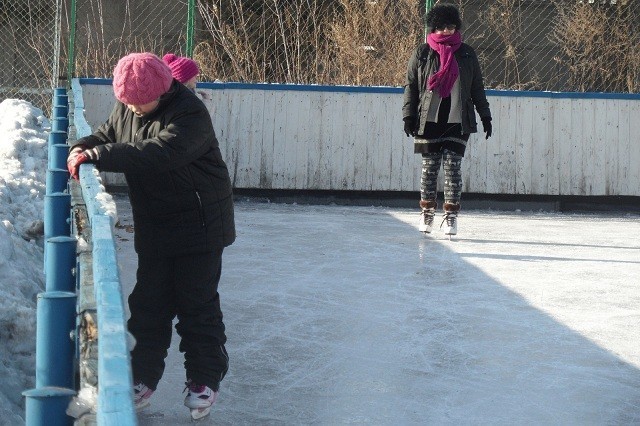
(351, 138)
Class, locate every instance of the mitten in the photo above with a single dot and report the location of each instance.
(486, 126)
(73, 164)
(86, 156)
(409, 126)
(75, 151)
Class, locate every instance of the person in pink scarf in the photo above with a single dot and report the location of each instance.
(443, 86)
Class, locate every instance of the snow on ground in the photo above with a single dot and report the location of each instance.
(23, 164)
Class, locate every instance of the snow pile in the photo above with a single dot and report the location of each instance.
(23, 165)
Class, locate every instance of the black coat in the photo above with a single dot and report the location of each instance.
(424, 62)
(179, 185)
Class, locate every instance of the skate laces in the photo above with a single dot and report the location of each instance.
(449, 218)
(427, 215)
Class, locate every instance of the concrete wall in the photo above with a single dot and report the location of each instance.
(351, 138)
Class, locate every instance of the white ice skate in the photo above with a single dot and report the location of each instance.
(426, 215)
(141, 395)
(450, 219)
(199, 400)
(426, 220)
(450, 223)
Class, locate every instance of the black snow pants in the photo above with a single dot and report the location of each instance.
(186, 287)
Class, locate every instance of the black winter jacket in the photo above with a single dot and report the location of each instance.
(179, 185)
(422, 64)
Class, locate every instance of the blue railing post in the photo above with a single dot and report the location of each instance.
(60, 111)
(61, 99)
(57, 210)
(56, 323)
(57, 137)
(57, 218)
(56, 308)
(60, 124)
(46, 406)
(60, 264)
(58, 156)
(57, 181)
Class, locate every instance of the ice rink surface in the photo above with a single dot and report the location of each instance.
(348, 315)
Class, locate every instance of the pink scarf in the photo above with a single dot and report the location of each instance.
(445, 45)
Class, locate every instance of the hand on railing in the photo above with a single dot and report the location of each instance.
(79, 155)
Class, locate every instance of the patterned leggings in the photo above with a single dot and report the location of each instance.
(452, 176)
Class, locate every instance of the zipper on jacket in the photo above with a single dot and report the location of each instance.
(200, 209)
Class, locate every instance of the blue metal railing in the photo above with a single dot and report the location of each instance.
(115, 384)
(56, 306)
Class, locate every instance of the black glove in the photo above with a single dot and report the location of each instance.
(486, 126)
(409, 126)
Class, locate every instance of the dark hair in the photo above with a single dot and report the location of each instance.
(441, 15)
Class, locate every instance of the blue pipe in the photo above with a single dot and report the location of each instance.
(57, 137)
(55, 326)
(57, 217)
(58, 154)
(59, 91)
(56, 310)
(60, 111)
(60, 263)
(57, 180)
(61, 100)
(60, 124)
(57, 211)
(46, 406)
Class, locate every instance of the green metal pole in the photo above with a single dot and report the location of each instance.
(190, 22)
(428, 4)
(71, 66)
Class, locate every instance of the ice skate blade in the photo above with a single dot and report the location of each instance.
(198, 414)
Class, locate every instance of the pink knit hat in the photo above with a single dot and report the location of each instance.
(182, 68)
(140, 78)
